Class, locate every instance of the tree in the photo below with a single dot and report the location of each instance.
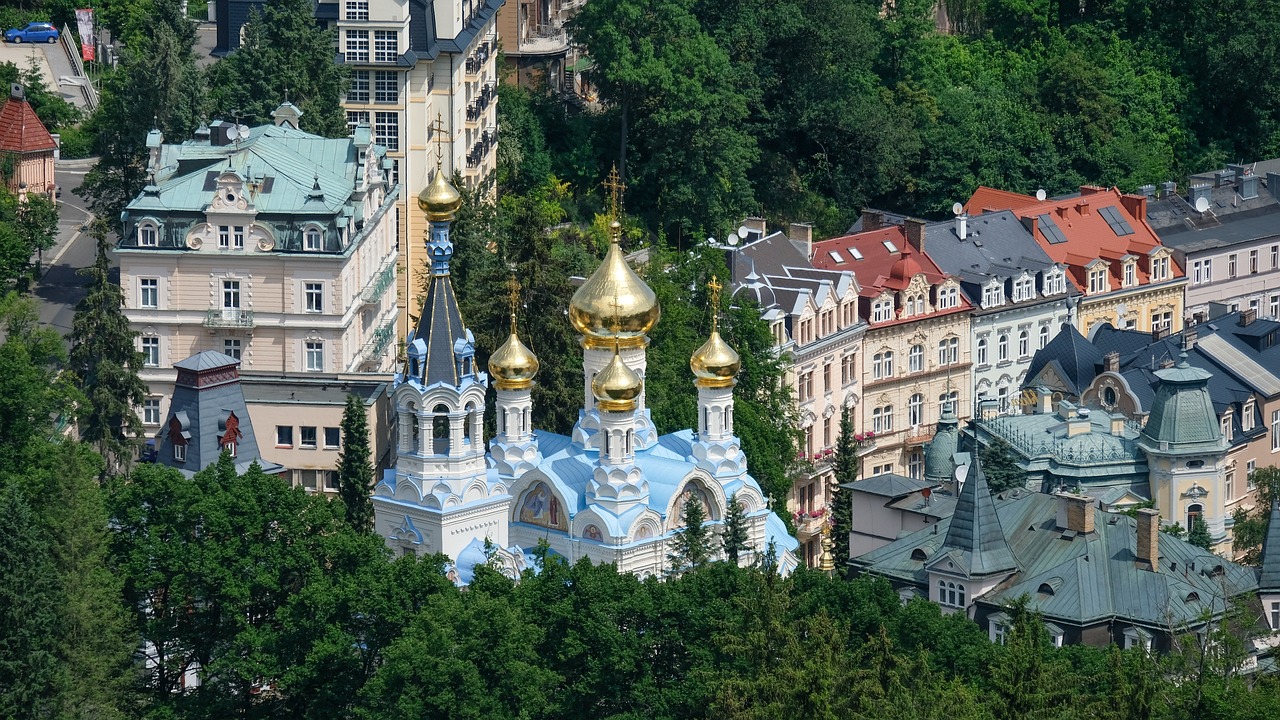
(52, 109)
(355, 474)
(1251, 526)
(846, 471)
(285, 55)
(691, 546)
(26, 227)
(735, 539)
(1001, 467)
(157, 85)
(1199, 535)
(34, 392)
(106, 363)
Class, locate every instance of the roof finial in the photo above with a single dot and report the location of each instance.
(513, 297)
(437, 128)
(715, 286)
(616, 188)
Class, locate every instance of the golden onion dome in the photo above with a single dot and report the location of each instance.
(513, 366)
(617, 386)
(439, 200)
(715, 364)
(614, 296)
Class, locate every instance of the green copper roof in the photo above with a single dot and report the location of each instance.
(1182, 416)
(940, 455)
(975, 541)
(1270, 577)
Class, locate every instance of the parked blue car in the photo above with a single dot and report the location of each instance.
(33, 32)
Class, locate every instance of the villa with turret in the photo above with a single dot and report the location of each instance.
(612, 491)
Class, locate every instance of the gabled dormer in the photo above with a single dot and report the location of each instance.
(1024, 287)
(1097, 276)
(1160, 262)
(1054, 280)
(993, 293)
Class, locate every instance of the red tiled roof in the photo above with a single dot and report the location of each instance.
(1088, 234)
(20, 130)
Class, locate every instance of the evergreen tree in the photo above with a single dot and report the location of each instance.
(1199, 535)
(1000, 466)
(25, 228)
(106, 364)
(34, 392)
(157, 85)
(735, 539)
(846, 471)
(285, 55)
(691, 546)
(1251, 525)
(355, 474)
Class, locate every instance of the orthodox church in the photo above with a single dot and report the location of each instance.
(613, 491)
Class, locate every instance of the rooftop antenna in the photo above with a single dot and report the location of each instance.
(1041, 195)
(732, 239)
(957, 209)
(1202, 204)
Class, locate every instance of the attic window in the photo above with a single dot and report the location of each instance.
(836, 256)
(857, 254)
(1045, 589)
(888, 245)
(1193, 596)
(919, 554)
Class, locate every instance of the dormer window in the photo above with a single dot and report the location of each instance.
(1098, 279)
(948, 298)
(1054, 282)
(1023, 289)
(179, 452)
(1160, 268)
(882, 310)
(1246, 416)
(1130, 273)
(148, 234)
(1226, 426)
(311, 241)
(993, 295)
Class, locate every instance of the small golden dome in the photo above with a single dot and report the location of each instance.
(617, 386)
(715, 364)
(439, 200)
(513, 366)
(614, 294)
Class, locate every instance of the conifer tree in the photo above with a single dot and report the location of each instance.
(690, 548)
(106, 364)
(355, 474)
(735, 540)
(1199, 535)
(846, 471)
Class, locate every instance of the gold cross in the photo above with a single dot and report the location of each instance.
(715, 286)
(513, 298)
(616, 325)
(616, 188)
(438, 128)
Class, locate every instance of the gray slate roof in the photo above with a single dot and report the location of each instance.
(1074, 358)
(889, 485)
(441, 330)
(996, 244)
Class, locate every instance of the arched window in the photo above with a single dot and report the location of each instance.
(415, 432)
(440, 430)
(1044, 335)
(982, 351)
(951, 594)
(1024, 344)
(1109, 397)
(915, 358)
(148, 235)
(960, 592)
(942, 592)
(1194, 512)
(466, 424)
(1002, 348)
(312, 239)
(915, 410)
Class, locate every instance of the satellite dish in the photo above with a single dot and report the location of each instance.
(956, 208)
(233, 133)
(742, 232)
(243, 131)
(1202, 204)
(732, 239)
(1041, 194)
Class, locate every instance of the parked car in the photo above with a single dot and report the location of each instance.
(33, 32)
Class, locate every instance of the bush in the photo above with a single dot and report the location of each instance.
(76, 143)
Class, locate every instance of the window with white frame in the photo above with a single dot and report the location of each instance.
(1249, 467)
(1275, 257)
(358, 90)
(1253, 261)
(1044, 335)
(151, 411)
(1275, 430)
(1160, 268)
(386, 46)
(284, 436)
(314, 352)
(882, 365)
(356, 118)
(915, 410)
(1055, 282)
(1162, 320)
(848, 370)
(1024, 344)
(386, 86)
(915, 359)
(307, 437)
(332, 437)
(951, 594)
(148, 292)
(1024, 288)
(1002, 397)
(948, 400)
(1275, 306)
(948, 298)
(1231, 265)
(311, 239)
(999, 632)
(357, 9)
(949, 351)
(179, 452)
(1225, 423)
(1098, 280)
(237, 237)
(1002, 348)
(982, 351)
(993, 295)
(1130, 273)
(231, 347)
(314, 294)
(230, 294)
(915, 464)
(224, 237)
(882, 419)
(1201, 271)
(151, 351)
(147, 235)
(357, 49)
(1246, 415)
(882, 310)
(386, 130)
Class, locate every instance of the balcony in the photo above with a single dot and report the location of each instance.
(228, 318)
(546, 39)
(377, 345)
(919, 435)
(809, 522)
(377, 287)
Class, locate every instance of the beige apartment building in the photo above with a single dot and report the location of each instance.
(814, 317)
(424, 80)
(916, 350)
(272, 246)
(537, 48)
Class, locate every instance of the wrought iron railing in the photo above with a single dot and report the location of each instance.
(228, 318)
(379, 285)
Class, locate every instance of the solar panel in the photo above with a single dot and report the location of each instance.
(1116, 221)
(1051, 231)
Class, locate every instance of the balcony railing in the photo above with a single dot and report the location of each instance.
(378, 285)
(228, 318)
(919, 435)
(377, 345)
(809, 522)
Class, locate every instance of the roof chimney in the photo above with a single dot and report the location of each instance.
(1247, 316)
(1111, 362)
(1200, 191)
(1135, 205)
(1075, 512)
(962, 226)
(754, 225)
(1223, 177)
(1117, 425)
(1044, 401)
(1189, 337)
(1168, 189)
(1249, 187)
(17, 92)
(1031, 224)
(914, 230)
(1148, 546)
(872, 220)
(1273, 184)
(803, 233)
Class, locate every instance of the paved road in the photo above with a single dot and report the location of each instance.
(61, 287)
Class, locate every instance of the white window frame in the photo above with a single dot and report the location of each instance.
(358, 90)
(1002, 348)
(224, 237)
(151, 411)
(149, 293)
(915, 410)
(1044, 335)
(1130, 273)
(386, 129)
(386, 86)
(386, 46)
(312, 239)
(915, 359)
(356, 118)
(179, 452)
(882, 311)
(1098, 280)
(150, 349)
(233, 347)
(982, 351)
(356, 49)
(882, 419)
(313, 297)
(231, 295)
(1024, 344)
(313, 355)
(356, 9)
(148, 234)
(1231, 265)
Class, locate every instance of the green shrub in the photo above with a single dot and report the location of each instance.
(76, 143)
